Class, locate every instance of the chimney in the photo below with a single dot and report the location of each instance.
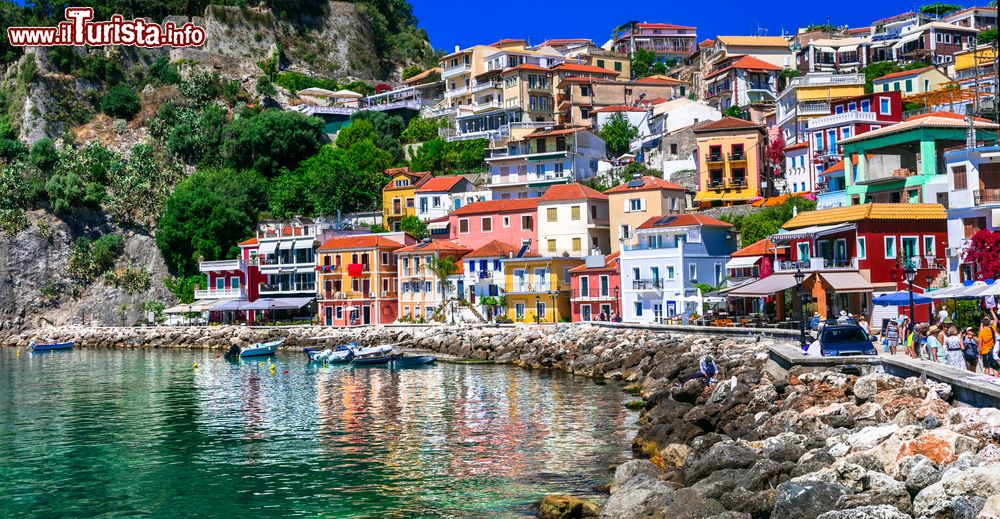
(426, 240)
(457, 48)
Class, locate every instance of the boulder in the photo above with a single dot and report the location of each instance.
(673, 455)
(942, 446)
(626, 471)
(723, 455)
(806, 499)
(689, 392)
(917, 472)
(939, 500)
(688, 503)
(866, 512)
(567, 507)
(785, 446)
(867, 386)
(641, 496)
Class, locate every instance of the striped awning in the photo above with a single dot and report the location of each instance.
(742, 262)
(267, 248)
(847, 282)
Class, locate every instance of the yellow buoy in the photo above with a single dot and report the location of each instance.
(195, 365)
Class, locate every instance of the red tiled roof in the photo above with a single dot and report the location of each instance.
(657, 81)
(650, 183)
(557, 41)
(579, 67)
(658, 100)
(516, 205)
(745, 62)
(610, 263)
(800, 145)
(904, 73)
(540, 133)
(645, 25)
(757, 248)
(559, 192)
(727, 123)
(493, 249)
(251, 241)
(683, 220)
(527, 66)
(506, 40)
(618, 108)
(706, 43)
(440, 184)
(417, 178)
(437, 246)
(366, 241)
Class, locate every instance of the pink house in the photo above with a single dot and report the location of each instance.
(508, 221)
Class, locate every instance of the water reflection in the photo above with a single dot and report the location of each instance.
(145, 433)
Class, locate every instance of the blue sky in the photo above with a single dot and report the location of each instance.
(467, 23)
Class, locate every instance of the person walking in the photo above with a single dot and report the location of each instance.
(953, 348)
(931, 341)
(892, 337)
(970, 349)
(987, 339)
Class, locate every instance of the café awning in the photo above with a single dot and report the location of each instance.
(847, 282)
(224, 305)
(765, 287)
(197, 306)
(303, 244)
(437, 226)
(811, 231)
(286, 245)
(267, 248)
(742, 262)
(278, 303)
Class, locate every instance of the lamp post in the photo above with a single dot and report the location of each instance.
(910, 274)
(552, 297)
(618, 302)
(538, 318)
(274, 321)
(799, 278)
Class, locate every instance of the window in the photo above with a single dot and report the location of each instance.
(866, 106)
(551, 214)
(506, 221)
(839, 109)
(890, 247)
(803, 250)
(673, 148)
(600, 63)
(463, 226)
(845, 132)
(551, 245)
(718, 274)
(636, 204)
(852, 107)
(940, 37)
(959, 178)
(584, 285)
(929, 246)
(436, 202)
(487, 224)
(541, 313)
(909, 85)
(220, 283)
(626, 232)
(540, 170)
(527, 222)
(670, 272)
(692, 272)
(584, 113)
(862, 249)
(895, 86)
(818, 140)
(884, 106)
(885, 87)
(908, 246)
(577, 244)
(574, 213)
(519, 311)
(638, 308)
(618, 66)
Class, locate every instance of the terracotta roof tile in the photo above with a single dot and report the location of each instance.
(560, 192)
(658, 81)
(579, 67)
(743, 63)
(650, 183)
(727, 123)
(931, 120)
(440, 184)
(619, 108)
(804, 144)
(417, 178)
(756, 41)
(251, 241)
(540, 133)
(494, 249)
(855, 213)
(682, 220)
(527, 66)
(757, 248)
(903, 73)
(365, 241)
(436, 246)
(516, 205)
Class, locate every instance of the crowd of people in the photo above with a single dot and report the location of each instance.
(941, 340)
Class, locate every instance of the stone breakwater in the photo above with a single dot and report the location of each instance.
(809, 445)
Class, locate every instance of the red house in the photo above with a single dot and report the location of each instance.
(230, 280)
(596, 288)
(508, 221)
(849, 117)
(849, 253)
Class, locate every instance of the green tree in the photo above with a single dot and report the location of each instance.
(139, 186)
(162, 72)
(207, 215)
(271, 140)
(411, 71)
(121, 102)
(785, 76)
(388, 131)
(644, 63)
(881, 68)
(937, 10)
(11, 148)
(449, 158)
(442, 268)
(987, 37)
(66, 190)
(768, 220)
(733, 111)
(44, 155)
(618, 133)
(14, 193)
(414, 227)
(420, 129)
(183, 287)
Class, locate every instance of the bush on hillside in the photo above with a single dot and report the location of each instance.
(121, 102)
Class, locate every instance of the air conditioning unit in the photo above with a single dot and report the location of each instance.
(371, 295)
(950, 251)
(385, 294)
(343, 296)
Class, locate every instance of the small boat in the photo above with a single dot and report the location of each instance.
(262, 348)
(416, 360)
(374, 360)
(50, 346)
(339, 355)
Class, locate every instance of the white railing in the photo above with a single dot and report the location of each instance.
(486, 105)
(219, 293)
(512, 179)
(215, 266)
(455, 92)
(846, 117)
(456, 70)
(813, 107)
(817, 264)
(486, 85)
(828, 79)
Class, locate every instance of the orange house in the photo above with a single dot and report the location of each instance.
(357, 280)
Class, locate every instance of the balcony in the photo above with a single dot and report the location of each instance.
(335, 295)
(460, 91)
(644, 285)
(813, 108)
(737, 156)
(827, 79)
(987, 196)
(540, 89)
(815, 264)
(221, 265)
(220, 293)
(714, 158)
(840, 119)
(287, 288)
(529, 178)
(664, 245)
(486, 105)
(463, 68)
(529, 288)
(482, 86)
(593, 294)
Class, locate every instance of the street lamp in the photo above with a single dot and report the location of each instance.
(538, 318)
(910, 274)
(618, 302)
(552, 296)
(799, 278)
(274, 321)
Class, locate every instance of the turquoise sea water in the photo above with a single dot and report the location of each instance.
(142, 433)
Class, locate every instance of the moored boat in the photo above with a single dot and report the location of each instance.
(411, 361)
(374, 360)
(50, 346)
(339, 355)
(262, 348)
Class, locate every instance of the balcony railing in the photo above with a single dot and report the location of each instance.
(647, 284)
(844, 118)
(455, 92)
(813, 107)
(263, 261)
(987, 196)
(827, 79)
(486, 85)
(334, 295)
(530, 287)
(818, 264)
(486, 105)
(456, 70)
(710, 157)
(737, 156)
(216, 266)
(219, 293)
(288, 287)
(593, 293)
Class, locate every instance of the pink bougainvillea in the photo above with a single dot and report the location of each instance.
(984, 253)
(776, 154)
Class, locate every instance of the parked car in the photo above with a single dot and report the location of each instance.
(845, 339)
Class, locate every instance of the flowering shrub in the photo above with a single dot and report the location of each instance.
(984, 252)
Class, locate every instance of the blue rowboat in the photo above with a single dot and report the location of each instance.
(50, 346)
(417, 360)
(262, 348)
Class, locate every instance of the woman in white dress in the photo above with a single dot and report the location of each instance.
(953, 349)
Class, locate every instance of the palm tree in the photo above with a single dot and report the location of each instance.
(442, 268)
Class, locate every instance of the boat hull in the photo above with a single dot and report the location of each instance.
(260, 350)
(56, 346)
(372, 361)
(419, 360)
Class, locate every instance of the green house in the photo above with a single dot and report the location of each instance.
(904, 162)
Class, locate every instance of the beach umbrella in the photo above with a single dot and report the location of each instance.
(901, 298)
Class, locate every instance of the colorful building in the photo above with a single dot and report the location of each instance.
(671, 255)
(438, 195)
(484, 272)
(666, 41)
(731, 162)
(595, 288)
(508, 221)
(543, 158)
(632, 203)
(399, 197)
(890, 165)
(840, 55)
(973, 204)
(741, 81)
(538, 288)
(798, 165)
(910, 82)
(420, 291)
(573, 221)
(357, 278)
(577, 96)
(810, 96)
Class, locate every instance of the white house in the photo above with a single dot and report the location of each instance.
(683, 113)
(484, 272)
(435, 198)
(973, 203)
(542, 158)
(798, 169)
(573, 221)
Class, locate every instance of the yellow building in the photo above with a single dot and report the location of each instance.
(538, 288)
(399, 195)
(974, 69)
(420, 290)
(731, 161)
(529, 88)
(810, 96)
(459, 68)
(910, 82)
(635, 201)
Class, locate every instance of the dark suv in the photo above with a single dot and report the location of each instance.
(836, 340)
